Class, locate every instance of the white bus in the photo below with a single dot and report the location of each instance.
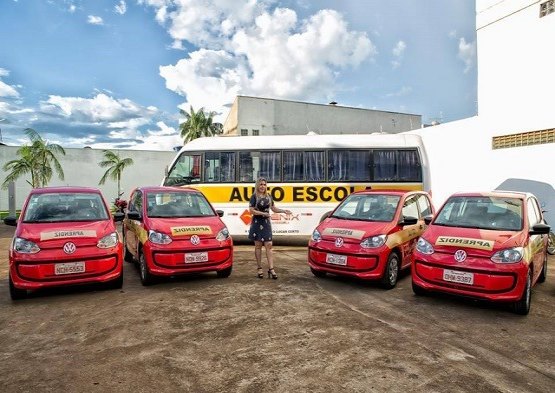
(307, 174)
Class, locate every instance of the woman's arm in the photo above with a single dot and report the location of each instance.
(255, 212)
(278, 210)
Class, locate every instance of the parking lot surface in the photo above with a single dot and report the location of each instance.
(295, 334)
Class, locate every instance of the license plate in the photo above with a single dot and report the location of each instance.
(69, 268)
(458, 277)
(336, 259)
(196, 257)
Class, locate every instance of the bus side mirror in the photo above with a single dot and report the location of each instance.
(428, 219)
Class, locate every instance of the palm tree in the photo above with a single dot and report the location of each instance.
(115, 165)
(197, 124)
(36, 160)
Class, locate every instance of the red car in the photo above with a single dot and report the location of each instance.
(489, 246)
(64, 236)
(172, 231)
(370, 235)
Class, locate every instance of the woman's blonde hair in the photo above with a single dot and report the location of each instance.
(258, 181)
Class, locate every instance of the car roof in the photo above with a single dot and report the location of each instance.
(388, 192)
(495, 193)
(148, 189)
(65, 189)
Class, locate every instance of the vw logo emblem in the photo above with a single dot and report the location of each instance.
(460, 255)
(195, 240)
(69, 248)
(339, 242)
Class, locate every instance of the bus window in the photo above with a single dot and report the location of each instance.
(219, 167)
(408, 165)
(185, 171)
(385, 167)
(314, 166)
(255, 164)
(351, 165)
(398, 165)
(246, 167)
(293, 166)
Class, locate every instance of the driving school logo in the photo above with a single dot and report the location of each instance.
(479, 244)
(191, 230)
(350, 233)
(66, 234)
(460, 255)
(69, 248)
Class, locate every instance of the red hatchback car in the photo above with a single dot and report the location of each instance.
(172, 231)
(489, 246)
(64, 236)
(370, 235)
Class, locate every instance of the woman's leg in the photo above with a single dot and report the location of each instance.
(269, 256)
(258, 254)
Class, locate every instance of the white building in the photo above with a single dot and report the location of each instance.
(510, 144)
(265, 116)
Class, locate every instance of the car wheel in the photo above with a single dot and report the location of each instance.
(146, 276)
(117, 283)
(127, 256)
(391, 273)
(543, 274)
(419, 291)
(15, 293)
(224, 273)
(551, 244)
(522, 306)
(318, 273)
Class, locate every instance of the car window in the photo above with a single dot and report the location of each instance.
(368, 207)
(177, 204)
(410, 208)
(424, 205)
(533, 212)
(59, 207)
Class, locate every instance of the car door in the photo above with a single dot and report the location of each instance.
(410, 209)
(536, 242)
(133, 226)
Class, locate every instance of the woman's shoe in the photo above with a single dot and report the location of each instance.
(272, 274)
(260, 274)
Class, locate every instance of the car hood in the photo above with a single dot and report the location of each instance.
(186, 227)
(352, 230)
(475, 241)
(80, 233)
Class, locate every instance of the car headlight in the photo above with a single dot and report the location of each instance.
(316, 237)
(223, 235)
(108, 241)
(373, 241)
(509, 255)
(424, 247)
(159, 238)
(25, 246)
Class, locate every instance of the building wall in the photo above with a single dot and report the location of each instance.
(280, 117)
(81, 169)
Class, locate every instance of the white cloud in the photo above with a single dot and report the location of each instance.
(5, 89)
(398, 51)
(467, 53)
(95, 20)
(404, 91)
(120, 8)
(72, 8)
(276, 55)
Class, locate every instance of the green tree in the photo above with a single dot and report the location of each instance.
(197, 124)
(115, 165)
(37, 160)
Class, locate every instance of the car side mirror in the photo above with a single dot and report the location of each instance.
(11, 221)
(119, 216)
(408, 220)
(220, 213)
(540, 229)
(134, 215)
(428, 219)
(325, 215)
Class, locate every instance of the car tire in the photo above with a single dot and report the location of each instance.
(522, 307)
(127, 256)
(318, 273)
(419, 291)
(117, 283)
(551, 244)
(225, 273)
(543, 274)
(15, 293)
(391, 272)
(146, 277)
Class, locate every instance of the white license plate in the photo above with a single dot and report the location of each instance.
(196, 257)
(458, 277)
(336, 259)
(69, 268)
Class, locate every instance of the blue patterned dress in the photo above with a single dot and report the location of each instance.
(261, 227)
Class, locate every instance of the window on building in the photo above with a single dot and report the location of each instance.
(547, 7)
(244, 132)
(255, 132)
(523, 139)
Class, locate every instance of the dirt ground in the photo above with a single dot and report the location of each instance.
(295, 334)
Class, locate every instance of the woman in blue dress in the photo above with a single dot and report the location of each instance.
(260, 231)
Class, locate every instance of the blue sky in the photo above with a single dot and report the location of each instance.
(114, 73)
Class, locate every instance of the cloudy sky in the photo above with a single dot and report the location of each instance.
(114, 73)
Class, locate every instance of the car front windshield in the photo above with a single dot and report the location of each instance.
(494, 213)
(63, 207)
(368, 207)
(178, 204)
